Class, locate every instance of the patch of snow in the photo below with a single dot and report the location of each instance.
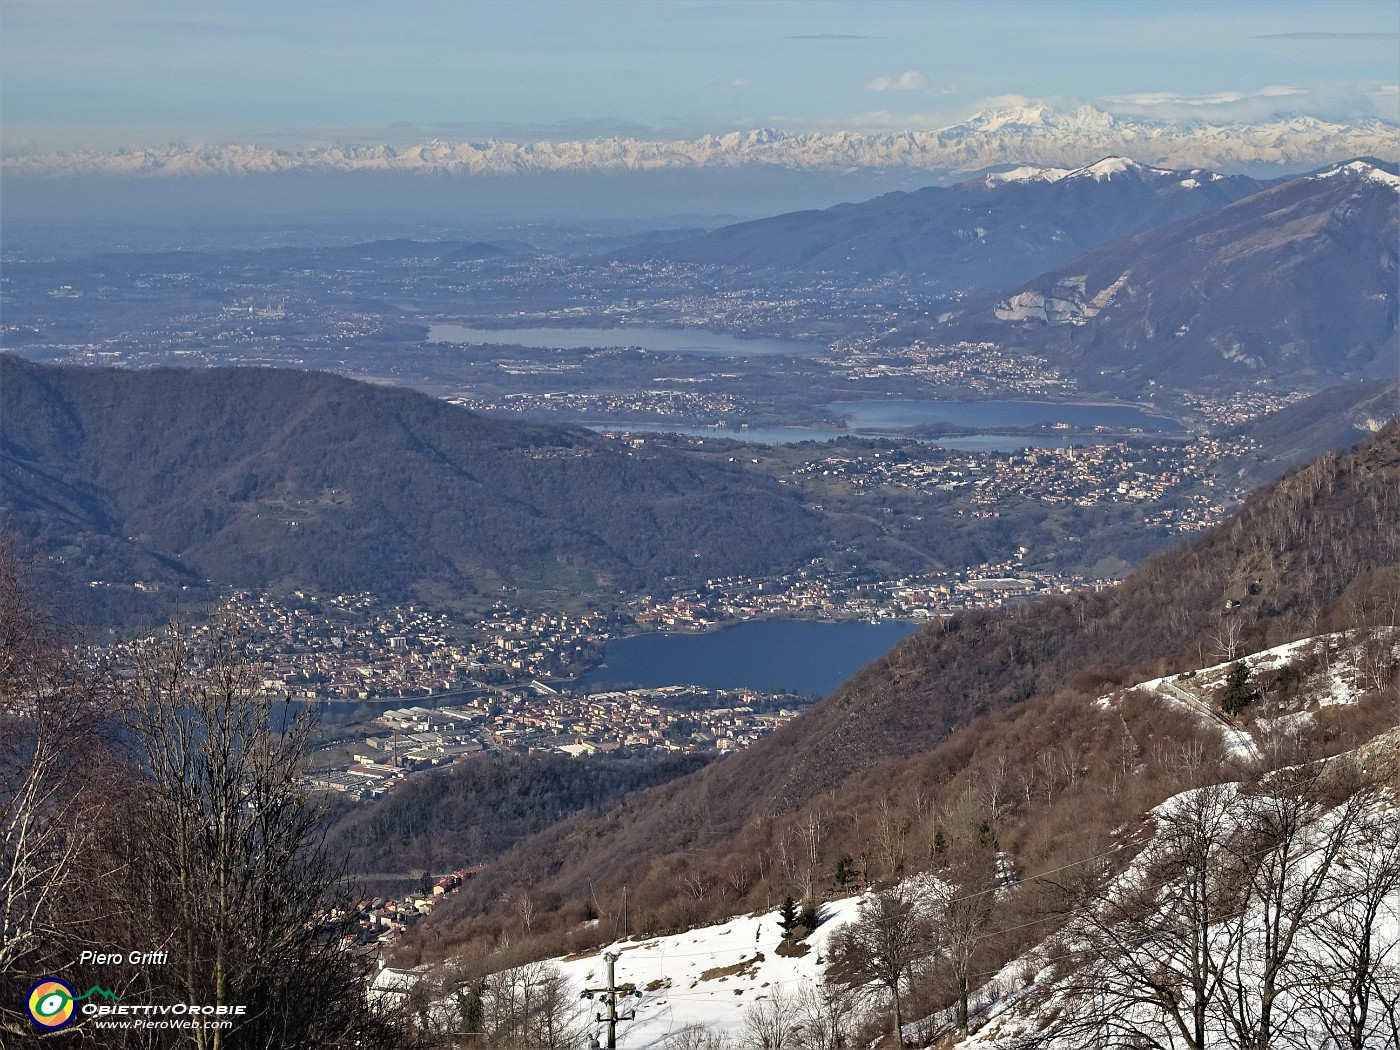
(1338, 681)
(1111, 166)
(1026, 173)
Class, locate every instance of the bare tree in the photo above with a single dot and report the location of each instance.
(1260, 916)
(828, 1014)
(529, 1007)
(228, 859)
(696, 1037)
(53, 805)
(1352, 983)
(698, 884)
(891, 831)
(1229, 637)
(1284, 865)
(813, 831)
(773, 1023)
(992, 783)
(525, 907)
(881, 947)
(1147, 967)
(963, 909)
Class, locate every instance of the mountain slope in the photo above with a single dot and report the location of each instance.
(1297, 281)
(261, 477)
(992, 230)
(1335, 418)
(1296, 552)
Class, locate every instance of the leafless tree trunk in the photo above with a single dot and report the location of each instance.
(1285, 866)
(231, 858)
(881, 947)
(891, 831)
(1148, 968)
(1351, 983)
(1228, 638)
(53, 805)
(962, 917)
(774, 1023)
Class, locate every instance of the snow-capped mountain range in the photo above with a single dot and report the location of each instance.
(1030, 135)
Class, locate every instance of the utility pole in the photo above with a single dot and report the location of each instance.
(609, 995)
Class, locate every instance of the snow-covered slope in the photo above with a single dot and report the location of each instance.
(1332, 669)
(1031, 135)
(1334, 896)
(708, 976)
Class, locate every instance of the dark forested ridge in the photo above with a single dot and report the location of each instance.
(1279, 569)
(473, 812)
(262, 477)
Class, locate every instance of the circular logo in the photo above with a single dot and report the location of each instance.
(50, 1003)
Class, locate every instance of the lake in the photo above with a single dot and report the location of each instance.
(771, 655)
(988, 415)
(797, 435)
(661, 340)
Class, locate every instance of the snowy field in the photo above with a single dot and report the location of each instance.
(708, 976)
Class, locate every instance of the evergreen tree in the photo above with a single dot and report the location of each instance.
(845, 871)
(787, 916)
(1237, 693)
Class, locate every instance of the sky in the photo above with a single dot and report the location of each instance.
(99, 74)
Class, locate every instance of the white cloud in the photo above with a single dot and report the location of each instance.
(1007, 102)
(884, 122)
(1340, 102)
(740, 82)
(909, 80)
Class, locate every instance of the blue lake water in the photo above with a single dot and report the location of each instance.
(801, 655)
(663, 340)
(797, 435)
(894, 414)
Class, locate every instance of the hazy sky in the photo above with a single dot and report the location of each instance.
(103, 73)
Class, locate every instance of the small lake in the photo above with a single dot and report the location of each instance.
(797, 435)
(661, 340)
(991, 414)
(772, 655)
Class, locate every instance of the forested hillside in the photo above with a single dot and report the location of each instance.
(270, 478)
(1335, 418)
(490, 804)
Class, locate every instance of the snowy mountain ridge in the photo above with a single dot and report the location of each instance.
(1030, 135)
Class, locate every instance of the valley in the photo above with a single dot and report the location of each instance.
(651, 591)
(652, 525)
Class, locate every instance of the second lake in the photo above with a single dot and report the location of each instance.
(770, 655)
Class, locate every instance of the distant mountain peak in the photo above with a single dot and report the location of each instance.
(1362, 169)
(1109, 167)
(1042, 117)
